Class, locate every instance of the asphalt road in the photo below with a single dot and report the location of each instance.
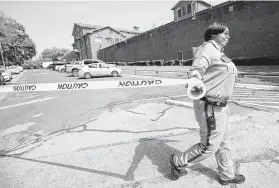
(51, 111)
(110, 150)
(55, 110)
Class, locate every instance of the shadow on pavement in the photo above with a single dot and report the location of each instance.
(158, 152)
(71, 167)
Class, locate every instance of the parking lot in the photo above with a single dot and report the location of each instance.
(51, 111)
(70, 125)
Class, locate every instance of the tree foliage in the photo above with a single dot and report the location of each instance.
(53, 54)
(17, 46)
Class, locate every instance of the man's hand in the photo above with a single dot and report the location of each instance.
(197, 89)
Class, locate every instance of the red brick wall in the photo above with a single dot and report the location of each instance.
(254, 30)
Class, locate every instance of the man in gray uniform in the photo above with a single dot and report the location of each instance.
(218, 73)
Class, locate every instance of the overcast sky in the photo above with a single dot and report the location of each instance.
(50, 23)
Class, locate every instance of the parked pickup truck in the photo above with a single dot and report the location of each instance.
(78, 65)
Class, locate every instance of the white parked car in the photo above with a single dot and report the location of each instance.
(20, 68)
(99, 69)
(13, 70)
(45, 65)
(61, 68)
(7, 75)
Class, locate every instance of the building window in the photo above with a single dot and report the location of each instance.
(179, 13)
(189, 10)
(98, 39)
(109, 39)
(183, 10)
(87, 42)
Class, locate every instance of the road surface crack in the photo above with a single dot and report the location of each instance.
(135, 112)
(162, 113)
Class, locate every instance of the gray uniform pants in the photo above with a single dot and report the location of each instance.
(212, 141)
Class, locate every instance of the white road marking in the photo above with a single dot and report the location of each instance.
(261, 92)
(262, 98)
(30, 97)
(261, 76)
(154, 98)
(25, 103)
(275, 107)
(261, 102)
(240, 95)
(38, 115)
(18, 128)
(21, 97)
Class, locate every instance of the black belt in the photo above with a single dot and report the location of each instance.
(215, 103)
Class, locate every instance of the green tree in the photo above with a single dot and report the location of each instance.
(53, 54)
(17, 45)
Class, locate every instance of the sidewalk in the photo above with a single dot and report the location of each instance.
(131, 149)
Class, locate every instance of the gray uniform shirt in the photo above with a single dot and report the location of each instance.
(216, 70)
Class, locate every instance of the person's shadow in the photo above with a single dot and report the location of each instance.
(158, 152)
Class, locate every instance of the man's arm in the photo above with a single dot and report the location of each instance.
(199, 67)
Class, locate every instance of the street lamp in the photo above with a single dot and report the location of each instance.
(180, 56)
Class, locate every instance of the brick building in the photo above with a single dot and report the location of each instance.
(253, 25)
(186, 9)
(89, 39)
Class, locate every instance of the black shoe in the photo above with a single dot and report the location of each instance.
(175, 171)
(238, 179)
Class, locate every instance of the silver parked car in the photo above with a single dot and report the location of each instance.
(99, 69)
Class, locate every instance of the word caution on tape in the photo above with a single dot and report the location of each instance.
(90, 85)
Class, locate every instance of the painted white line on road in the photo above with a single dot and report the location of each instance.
(18, 128)
(179, 103)
(155, 98)
(240, 95)
(274, 107)
(261, 75)
(255, 93)
(254, 86)
(25, 103)
(262, 98)
(261, 102)
(30, 97)
(38, 115)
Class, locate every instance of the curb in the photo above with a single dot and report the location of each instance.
(179, 103)
(243, 104)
